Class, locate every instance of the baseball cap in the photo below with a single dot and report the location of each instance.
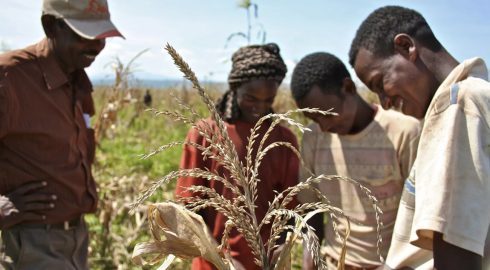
(88, 18)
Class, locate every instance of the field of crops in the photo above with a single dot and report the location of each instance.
(128, 130)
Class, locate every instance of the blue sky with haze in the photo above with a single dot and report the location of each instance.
(199, 29)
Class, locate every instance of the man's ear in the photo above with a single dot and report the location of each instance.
(405, 46)
(348, 86)
(49, 25)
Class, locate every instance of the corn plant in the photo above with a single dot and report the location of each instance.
(189, 239)
(117, 98)
(248, 5)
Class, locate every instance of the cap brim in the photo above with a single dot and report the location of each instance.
(93, 29)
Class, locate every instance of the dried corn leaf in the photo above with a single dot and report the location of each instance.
(180, 232)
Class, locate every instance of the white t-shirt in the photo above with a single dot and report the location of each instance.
(452, 168)
(402, 253)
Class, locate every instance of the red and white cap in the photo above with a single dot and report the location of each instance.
(88, 18)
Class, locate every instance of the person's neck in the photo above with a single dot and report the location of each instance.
(440, 64)
(363, 117)
(64, 66)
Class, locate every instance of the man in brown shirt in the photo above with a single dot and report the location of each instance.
(46, 144)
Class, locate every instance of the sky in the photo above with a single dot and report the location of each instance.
(198, 30)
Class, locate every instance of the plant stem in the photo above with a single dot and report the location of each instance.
(249, 25)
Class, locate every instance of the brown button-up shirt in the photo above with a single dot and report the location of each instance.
(43, 134)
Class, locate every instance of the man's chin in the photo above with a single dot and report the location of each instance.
(86, 62)
(84, 65)
(412, 112)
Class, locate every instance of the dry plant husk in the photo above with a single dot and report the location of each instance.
(119, 96)
(179, 232)
(240, 210)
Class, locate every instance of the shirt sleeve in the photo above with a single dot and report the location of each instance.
(408, 153)
(452, 181)
(191, 158)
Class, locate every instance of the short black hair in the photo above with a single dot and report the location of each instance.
(318, 69)
(378, 30)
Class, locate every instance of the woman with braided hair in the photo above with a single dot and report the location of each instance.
(257, 71)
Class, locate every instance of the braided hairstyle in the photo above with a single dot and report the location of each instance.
(249, 63)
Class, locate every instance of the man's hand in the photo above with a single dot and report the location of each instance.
(30, 202)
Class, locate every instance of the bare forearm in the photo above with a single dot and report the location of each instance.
(451, 257)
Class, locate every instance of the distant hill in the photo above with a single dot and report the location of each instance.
(156, 84)
(141, 83)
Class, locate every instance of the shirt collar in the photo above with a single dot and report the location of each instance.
(474, 67)
(53, 75)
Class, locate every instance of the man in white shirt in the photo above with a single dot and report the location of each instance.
(396, 54)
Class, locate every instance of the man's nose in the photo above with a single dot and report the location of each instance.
(262, 106)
